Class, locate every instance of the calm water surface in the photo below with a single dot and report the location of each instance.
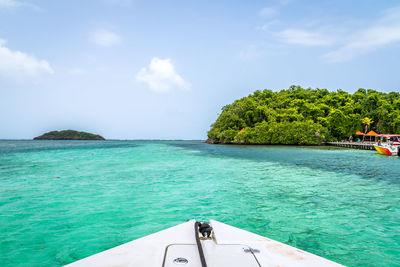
(61, 201)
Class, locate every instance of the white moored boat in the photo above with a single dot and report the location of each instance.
(194, 244)
(389, 150)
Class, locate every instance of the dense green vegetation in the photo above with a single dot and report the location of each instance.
(305, 116)
(69, 135)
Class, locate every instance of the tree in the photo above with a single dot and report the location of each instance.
(367, 121)
(305, 116)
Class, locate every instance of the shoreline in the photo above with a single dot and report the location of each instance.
(262, 144)
(352, 145)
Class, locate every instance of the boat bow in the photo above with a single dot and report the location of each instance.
(228, 246)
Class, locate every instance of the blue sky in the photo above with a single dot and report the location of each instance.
(129, 69)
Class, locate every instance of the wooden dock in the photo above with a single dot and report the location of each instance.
(356, 145)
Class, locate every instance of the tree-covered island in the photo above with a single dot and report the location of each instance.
(69, 135)
(305, 116)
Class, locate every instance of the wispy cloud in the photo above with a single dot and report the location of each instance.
(267, 12)
(9, 3)
(383, 32)
(160, 76)
(17, 65)
(306, 38)
(345, 43)
(15, 4)
(267, 26)
(105, 38)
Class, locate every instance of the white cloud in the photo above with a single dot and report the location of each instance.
(302, 37)
(160, 76)
(15, 3)
(384, 32)
(16, 64)
(105, 38)
(268, 12)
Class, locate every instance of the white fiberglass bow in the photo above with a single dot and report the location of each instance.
(224, 246)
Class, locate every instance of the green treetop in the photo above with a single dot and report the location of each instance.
(305, 116)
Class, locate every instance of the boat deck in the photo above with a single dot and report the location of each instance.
(229, 247)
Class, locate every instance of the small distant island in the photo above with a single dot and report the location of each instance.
(298, 116)
(69, 135)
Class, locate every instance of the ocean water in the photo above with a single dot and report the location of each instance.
(61, 201)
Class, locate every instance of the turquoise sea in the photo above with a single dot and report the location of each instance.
(61, 201)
